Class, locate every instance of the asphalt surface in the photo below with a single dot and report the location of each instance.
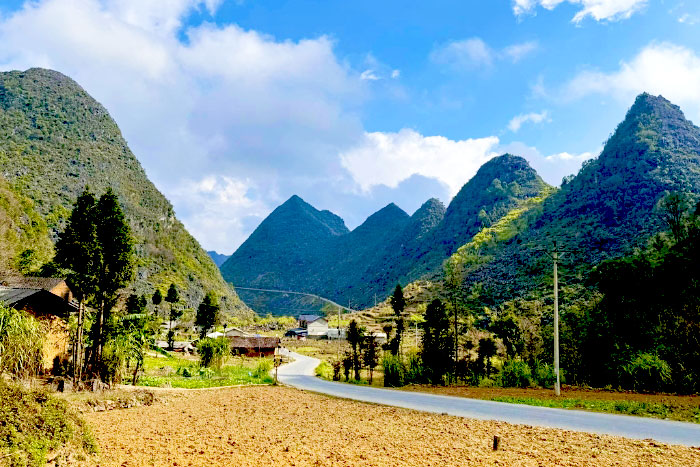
(300, 374)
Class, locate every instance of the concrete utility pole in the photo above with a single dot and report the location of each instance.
(555, 257)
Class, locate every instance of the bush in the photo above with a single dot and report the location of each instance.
(32, 423)
(415, 372)
(394, 370)
(21, 343)
(213, 351)
(486, 383)
(324, 370)
(263, 368)
(646, 372)
(516, 374)
(544, 375)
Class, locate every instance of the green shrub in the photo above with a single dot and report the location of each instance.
(486, 383)
(646, 372)
(213, 351)
(516, 374)
(415, 371)
(324, 370)
(394, 370)
(32, 423)
(263, 368)
(544, 375)
(21, 343)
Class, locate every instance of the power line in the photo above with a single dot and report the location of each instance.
(292, 292)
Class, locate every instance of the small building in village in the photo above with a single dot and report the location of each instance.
(254, 346)
(49, 300)
(304, 320)
(318, 328)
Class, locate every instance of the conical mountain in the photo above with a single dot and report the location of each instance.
(499, 186)
(55, 140)
(285, 246)
(612, 205)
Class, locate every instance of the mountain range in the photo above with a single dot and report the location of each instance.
(56, 140)
(502, 221)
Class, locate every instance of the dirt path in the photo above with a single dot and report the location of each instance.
(277, 426)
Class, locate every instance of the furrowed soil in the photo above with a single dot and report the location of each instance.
(278, 426)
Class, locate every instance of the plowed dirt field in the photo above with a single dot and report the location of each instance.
(277, 426)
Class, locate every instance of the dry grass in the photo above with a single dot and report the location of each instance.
(276, 426)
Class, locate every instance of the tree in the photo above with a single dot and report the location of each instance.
(436, 342)
(370, 356)
(355, 337)
(172, 297)
(78, 250)
(207, 313)
(674, 207)
(136, 304)
(487, 350)
(116, 268)
(506, 327)
(157, 299)
(398, 304)
(454, 279)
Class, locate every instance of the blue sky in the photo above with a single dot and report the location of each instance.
(233, 106)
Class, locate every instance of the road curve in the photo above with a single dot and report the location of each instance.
(300, 374)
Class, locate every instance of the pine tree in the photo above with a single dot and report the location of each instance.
(157, 299)
(78, 250)
(207, 313)
(355, 337)
(172, 297)
(116, 269)
(398, 304)
(436, 342)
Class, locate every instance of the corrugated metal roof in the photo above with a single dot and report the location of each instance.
(46, 283)
(9, 295)
(308, 318)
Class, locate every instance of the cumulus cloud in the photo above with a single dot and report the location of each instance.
(474, 53)
(660, 68)
(534, 117)
(390, 158)
(551, 167)
(517, 52)
(220, 209)
(226, 100)
(600, 10)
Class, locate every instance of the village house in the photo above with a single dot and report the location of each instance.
(50, 300)
(318, 328)
(304, 320)
(254, 346)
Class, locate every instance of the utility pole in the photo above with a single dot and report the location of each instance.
(555, 255)
(555, 258)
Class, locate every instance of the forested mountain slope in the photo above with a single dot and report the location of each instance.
(296, 249)
(54, 141)
(611, 206)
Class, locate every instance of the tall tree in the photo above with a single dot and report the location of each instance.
(436, 342)
(172, 297)
(207, 313)
(157, 299)
(355, 337)
(116, 269)
(398, 304)
(370, 356)
(78, 251)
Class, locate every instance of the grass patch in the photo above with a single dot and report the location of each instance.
(180, 372)
(325, 370)
(35, 426)
(639, 408)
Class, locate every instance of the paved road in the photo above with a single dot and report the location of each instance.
(300, 374)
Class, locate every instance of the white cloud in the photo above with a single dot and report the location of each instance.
(518, 121)
(395, 74)
(228, 101)
(464, 54)
(517, 52)
(474, 53)
(688, 19)
(551, 168)
(660, 68)
(216, 207)
(369, 75)
(600, 10)
(390, 158)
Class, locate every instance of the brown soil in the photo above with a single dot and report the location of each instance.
(567, 392)
(276, 426)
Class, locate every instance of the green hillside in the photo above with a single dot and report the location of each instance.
(54, 141)
(300, 248)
